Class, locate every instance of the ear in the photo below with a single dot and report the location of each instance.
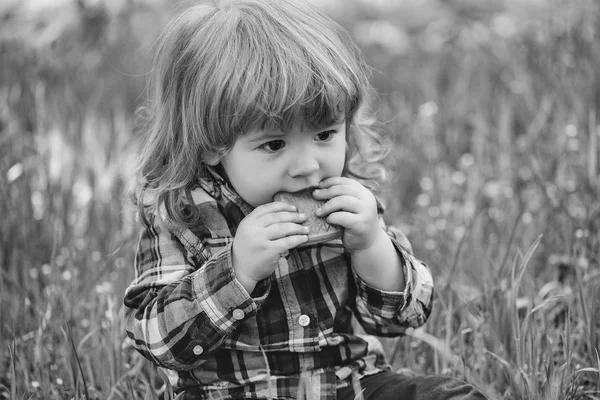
(211, 158)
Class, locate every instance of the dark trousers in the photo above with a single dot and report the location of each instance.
(392, 386)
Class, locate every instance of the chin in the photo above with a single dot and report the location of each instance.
(259, 203)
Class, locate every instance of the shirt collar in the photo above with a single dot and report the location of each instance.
(215, 183)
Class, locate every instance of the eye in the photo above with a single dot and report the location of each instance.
(272, 146)
(326, 135)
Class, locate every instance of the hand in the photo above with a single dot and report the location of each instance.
(353, 207)
(265, 235)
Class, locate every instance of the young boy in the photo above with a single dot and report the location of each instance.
(253, 98)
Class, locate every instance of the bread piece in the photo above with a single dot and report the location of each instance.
(320, 229)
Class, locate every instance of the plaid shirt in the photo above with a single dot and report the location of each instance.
(292, 337)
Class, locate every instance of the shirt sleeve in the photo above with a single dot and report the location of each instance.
(180, 305)
(387, 313)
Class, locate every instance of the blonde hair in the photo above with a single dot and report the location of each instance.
(222, 69)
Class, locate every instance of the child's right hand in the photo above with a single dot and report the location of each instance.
(265, 235)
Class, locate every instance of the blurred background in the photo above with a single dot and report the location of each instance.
(493, 111)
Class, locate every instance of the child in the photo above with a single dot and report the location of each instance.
(252, 98)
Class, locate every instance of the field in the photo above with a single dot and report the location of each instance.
(493, 109)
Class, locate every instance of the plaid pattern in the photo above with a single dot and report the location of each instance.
(186, 312)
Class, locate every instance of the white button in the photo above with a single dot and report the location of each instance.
(198, 350)
(304, 320)
(238, 314)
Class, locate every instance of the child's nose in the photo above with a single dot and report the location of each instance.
(303, 163)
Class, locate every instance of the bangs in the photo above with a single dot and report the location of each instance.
(314, 105)
(275, 71)
(286, 84)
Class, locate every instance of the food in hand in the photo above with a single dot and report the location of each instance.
(320, 229)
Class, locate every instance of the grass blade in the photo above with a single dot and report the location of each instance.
(77, 360)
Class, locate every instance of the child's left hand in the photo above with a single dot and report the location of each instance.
(353, 207)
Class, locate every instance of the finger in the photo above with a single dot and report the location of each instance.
(343, 219)
(341, 203)
(276, 206)
(338, 190)
(278, 231)
(336, 180)
(289, 242)
(282, 216)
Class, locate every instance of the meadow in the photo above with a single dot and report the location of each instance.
(493, 109)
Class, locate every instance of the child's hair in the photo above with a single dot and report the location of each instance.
(222, 70)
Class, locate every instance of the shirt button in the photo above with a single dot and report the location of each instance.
(198, 350)
(304, 320)
(238, 314)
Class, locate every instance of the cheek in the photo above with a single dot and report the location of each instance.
(341, 155)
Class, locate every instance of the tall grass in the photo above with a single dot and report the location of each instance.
(494, 112)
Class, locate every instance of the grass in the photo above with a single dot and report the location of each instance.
(494, 112)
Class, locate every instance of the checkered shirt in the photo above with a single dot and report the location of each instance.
(292, 337)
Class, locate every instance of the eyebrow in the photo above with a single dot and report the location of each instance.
(263, 135)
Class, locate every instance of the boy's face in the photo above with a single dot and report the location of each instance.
(264, 162)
